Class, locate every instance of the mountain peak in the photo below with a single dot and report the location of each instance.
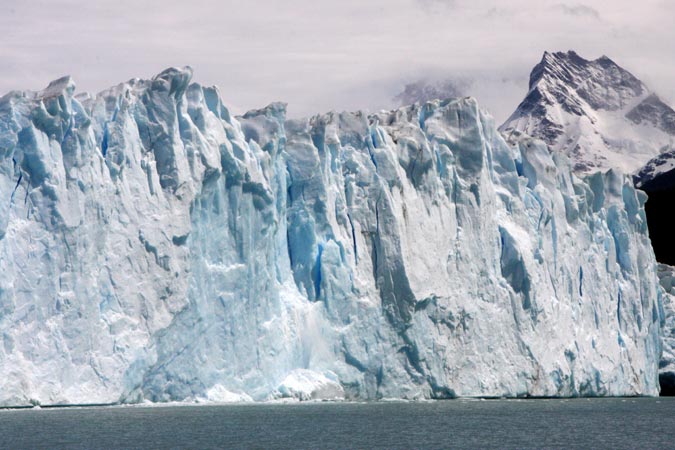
(568, 55)
(556, 65)
(586, 76)
(589, 110)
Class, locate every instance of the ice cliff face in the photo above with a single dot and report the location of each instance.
(595, 112)
(603, 117)
(153, 247)
(667, 364)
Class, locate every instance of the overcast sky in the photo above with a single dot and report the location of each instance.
(320, 55)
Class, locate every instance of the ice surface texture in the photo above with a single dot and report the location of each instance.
(153, 247)
(667, 364)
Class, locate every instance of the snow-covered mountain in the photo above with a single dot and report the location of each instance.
(657, 179)
(154, 247)
(595, 112)
(658, 174)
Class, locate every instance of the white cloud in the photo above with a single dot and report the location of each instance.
(328, 54)
(579, 10)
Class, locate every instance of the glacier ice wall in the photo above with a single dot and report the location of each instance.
(667, 364)
(154, 247)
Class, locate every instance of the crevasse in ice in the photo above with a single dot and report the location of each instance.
(154, 247)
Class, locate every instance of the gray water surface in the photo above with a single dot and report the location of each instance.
(578, 423)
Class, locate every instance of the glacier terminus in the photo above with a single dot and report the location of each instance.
(153, 247)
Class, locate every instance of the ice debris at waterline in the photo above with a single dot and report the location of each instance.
(153, 247)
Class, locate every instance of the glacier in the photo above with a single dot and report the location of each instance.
(666, 275)
(601, 116)
(153, 247)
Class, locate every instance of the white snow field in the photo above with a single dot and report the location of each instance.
(155, 248)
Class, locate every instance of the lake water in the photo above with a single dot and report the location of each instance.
(577, 423)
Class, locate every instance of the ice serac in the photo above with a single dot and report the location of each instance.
(595, 112)
(667, 364)
(154, 247)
